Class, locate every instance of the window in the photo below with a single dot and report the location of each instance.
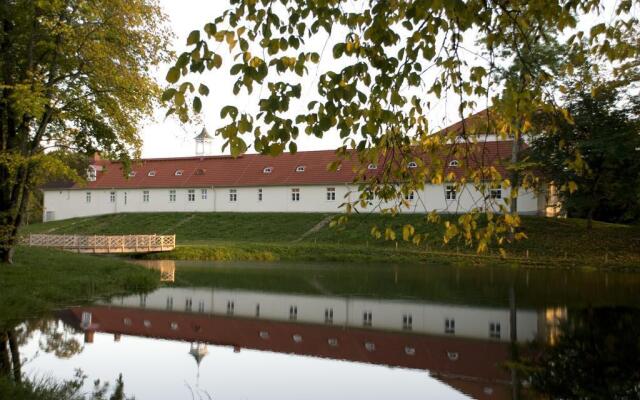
(328, 315)
(295, 194)
(372, 166)
(300, 168)
(201, 306)
(259, 194)
(88, 197)
(370, 346)
(494, 330)
(367, 318)
(267, 170)
(450, 326)
(409, 196)
(188, 305)
(132, 174)
(331, 194)
(407, 322)
(495, 193)
(127, 321)
(199, 171)
(174, 326)
(145, 196)
(169, 303)
(293, 313)
(454, 163)
(191, 195)
(91, 174)
(151, 173)
(172, 196)
(450, 192)
(333, 342)
(203, 194)
(410, 351)
(147, 323)
(233, 195)
(179, 172)
(112, 197)
(230, 307)
(413, 164)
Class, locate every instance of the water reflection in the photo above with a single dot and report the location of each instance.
(301, 345)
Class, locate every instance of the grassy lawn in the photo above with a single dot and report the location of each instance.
(43, 279)
(275, 236)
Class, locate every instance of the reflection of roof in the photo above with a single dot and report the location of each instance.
(470, 365)
(249, 169)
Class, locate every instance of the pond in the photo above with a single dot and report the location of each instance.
(318, 331)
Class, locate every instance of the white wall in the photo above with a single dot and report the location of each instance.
(63, 204)
(428, 318)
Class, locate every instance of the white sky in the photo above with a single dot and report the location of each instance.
(169, 138)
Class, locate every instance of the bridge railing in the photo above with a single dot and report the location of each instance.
(104, 243)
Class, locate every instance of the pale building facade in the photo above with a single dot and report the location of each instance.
(297, 182)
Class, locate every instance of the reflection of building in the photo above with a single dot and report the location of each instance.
(465, 347)
(167, 268)
(427, 318)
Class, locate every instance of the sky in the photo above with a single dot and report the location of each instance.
(167, 137)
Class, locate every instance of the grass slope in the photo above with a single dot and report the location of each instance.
(44, 279)
(273, 236)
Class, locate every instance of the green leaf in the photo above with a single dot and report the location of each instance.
(197, 104)
(173, 75)
(168, 94)
(203, 89)
(194, 37)
(228, 110)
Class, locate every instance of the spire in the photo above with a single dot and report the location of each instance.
(198, 351)
(203, 143)
(203, 135)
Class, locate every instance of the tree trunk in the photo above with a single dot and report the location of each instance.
(5, 362)
(590, 217)
(15, 356)
(6, 255)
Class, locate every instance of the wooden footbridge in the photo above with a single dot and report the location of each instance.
(101, 244)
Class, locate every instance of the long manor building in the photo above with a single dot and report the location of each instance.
(298, 182)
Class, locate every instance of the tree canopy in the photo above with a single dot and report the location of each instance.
(74, 75)
(377, 66)
(603, 136)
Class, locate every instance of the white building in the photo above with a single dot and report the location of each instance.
(297, 182)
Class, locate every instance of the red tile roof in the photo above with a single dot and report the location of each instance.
(247, 170)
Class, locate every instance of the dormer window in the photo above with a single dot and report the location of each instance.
(200, 171)
(454, 163)
(300, 168)
(132, 174)
(179, 172)
(413, 164)
(267, 170)
(91, 173)
(151, 173)
(373, 166)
